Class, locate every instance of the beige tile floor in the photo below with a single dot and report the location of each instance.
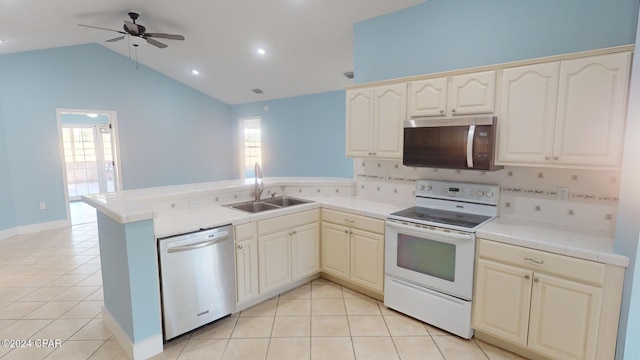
(50, 288)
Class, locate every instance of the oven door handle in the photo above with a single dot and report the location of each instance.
(441, 235)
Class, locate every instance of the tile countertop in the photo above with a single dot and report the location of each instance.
(192, 220)
(134, 205)
(589, 245)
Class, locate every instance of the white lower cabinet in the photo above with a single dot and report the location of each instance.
(274, 260)
(546, 304)
(353, 249)
(246, 262)
(288, 249)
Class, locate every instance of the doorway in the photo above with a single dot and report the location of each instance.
(88, 141)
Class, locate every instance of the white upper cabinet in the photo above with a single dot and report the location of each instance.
(360, 108)
(592, 100)
(528, 113)
(388, 127)
(428, 97)
(568, 113)
(450, 96)
(473, 93)
(375, 118)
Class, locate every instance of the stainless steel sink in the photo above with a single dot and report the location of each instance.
(285, 201)
(267, 204)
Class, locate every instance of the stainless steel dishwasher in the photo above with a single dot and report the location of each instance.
(197, 279)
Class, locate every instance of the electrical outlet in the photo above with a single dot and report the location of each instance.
(563, 194)
(43, 206)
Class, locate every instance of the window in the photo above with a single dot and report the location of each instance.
(251, 146)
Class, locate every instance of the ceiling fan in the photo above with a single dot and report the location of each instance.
(133, 29)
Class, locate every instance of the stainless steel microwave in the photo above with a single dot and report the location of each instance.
(454, 143)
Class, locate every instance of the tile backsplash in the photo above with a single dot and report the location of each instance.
(526, 192)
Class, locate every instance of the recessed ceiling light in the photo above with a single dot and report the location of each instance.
(261, 51)
(195, 72)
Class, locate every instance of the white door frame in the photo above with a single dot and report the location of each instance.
(113, 120)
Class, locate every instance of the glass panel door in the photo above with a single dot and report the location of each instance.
(88, 155)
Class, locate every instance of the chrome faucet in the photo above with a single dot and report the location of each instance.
(258, 188)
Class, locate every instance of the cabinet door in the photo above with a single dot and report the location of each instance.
(428, 97)
(305, 251)
(473, 93)
(501, 301)
(367, 259)
(564, 318)
(246, 270)
(390, 114)
(360, 111)
(274, 260)
(591, 110)
(335, 250)
(527, 117)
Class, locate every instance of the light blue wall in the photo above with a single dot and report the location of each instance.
(7, 217)
(303, 135)
(130, 276)
(441, 35)
(628, 221)
(169, 132)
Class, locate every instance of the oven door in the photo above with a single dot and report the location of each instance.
(436, 259)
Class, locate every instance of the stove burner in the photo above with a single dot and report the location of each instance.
(421, 214)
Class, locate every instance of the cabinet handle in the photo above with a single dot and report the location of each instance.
(539, 262)
(453, 110)
(346, 231)
(374, 154)
(555, 158)
(295, 233)
(370, 153)
(527, 277)
(441, 111)
(547, 158)
(240, 247)
(535, 280)
(349, 221)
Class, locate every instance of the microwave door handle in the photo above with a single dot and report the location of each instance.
(470, 136)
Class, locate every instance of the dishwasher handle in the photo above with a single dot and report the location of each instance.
(198, 245)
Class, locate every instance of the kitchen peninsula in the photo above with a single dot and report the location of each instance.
(130, 222)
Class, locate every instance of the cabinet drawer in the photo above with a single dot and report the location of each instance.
(540, 261)
(287, 221)
(245, 231)
(353, 221)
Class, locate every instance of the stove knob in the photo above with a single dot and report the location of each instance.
(422, 187)
(429, 188)
(479, 193)
(489, 194)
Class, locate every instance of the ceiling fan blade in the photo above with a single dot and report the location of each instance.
(165, 36)
(115, 39)
(155, 43)
(133, 29)
(95, 27)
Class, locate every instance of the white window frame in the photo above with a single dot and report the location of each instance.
(241, 127)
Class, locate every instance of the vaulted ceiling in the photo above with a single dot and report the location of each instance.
(308, 43)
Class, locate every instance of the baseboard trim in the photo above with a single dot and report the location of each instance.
(34, 228)
(142, 350)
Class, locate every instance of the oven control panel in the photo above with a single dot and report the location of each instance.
(472, 192)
